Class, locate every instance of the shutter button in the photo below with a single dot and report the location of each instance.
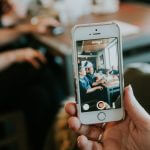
(101, 116)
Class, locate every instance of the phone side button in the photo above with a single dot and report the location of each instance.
(101, 116)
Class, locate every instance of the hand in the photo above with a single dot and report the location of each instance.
(38, 25)
(103, 81)
(99, 87)
(28, 55)
(22, 55)
(133, 133)
(42, 23)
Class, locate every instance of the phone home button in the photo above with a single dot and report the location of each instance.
(101, 116)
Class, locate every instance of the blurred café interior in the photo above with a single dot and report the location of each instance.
(36, 75)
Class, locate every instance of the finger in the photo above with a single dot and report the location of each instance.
(42, 29)
(32, 53)
(135, 111)
(34, 63)
(85, 144)
(70, 108)
(41, 57)
(111, 124)
(92, 132)
(54, 22)
(50, 22)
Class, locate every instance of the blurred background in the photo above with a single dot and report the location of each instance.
(36, 77)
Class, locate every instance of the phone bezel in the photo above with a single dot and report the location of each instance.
(86, 32)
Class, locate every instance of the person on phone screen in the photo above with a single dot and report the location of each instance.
(85, 83)
(94, 80)
(87, 92)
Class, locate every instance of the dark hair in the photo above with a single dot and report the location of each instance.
(4, 7)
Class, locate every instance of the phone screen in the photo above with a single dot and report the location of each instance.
(98, 71)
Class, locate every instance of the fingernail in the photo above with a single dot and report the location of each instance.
(130, 88)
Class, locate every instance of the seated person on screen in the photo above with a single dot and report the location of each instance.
(90, 72)
(85, 86)
(94, 80)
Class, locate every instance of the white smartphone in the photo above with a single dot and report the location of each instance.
(98, 72)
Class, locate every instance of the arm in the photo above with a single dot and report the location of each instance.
(95, 84)
(90, 90)
(8, 35)
(6, 59)
(101, 81)
(21, 55)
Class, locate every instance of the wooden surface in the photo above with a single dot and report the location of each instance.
(137, 14)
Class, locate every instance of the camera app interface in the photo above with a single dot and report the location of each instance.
(98, 71)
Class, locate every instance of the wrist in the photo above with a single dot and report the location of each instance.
(97, 88)
(25, 28)
(11, 57)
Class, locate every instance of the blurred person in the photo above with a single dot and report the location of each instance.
(19, 56)
(26, 85)
(12, 25)
(132, 133)
(26, 78)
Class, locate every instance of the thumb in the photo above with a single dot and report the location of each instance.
(134, 110)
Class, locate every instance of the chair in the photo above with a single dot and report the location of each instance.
(138, 75)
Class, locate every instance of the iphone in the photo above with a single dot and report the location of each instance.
(98, 72)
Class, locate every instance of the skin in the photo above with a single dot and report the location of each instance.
(99, 81)
(133, 133)
(12, 18)
(94, 89)
(82, 73)
(10, 34)
(21, 55)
